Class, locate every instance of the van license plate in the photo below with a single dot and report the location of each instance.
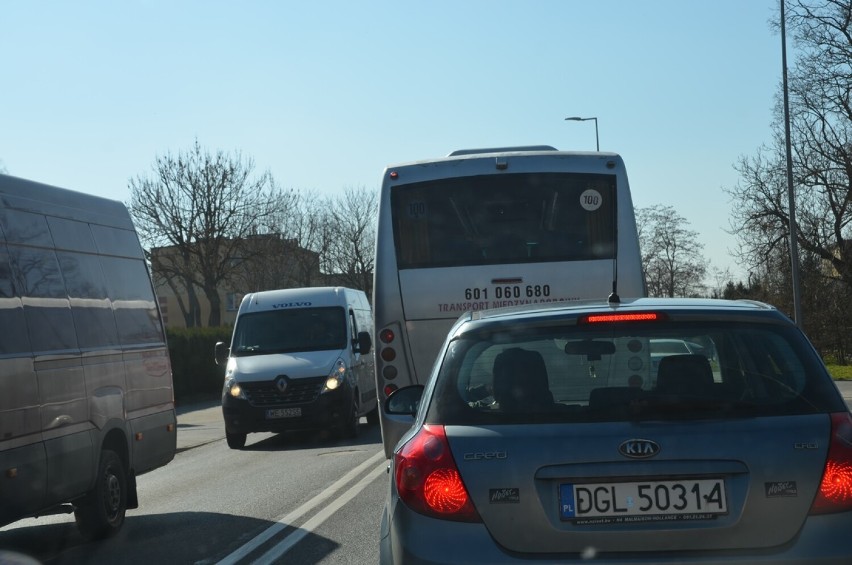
(274, 413)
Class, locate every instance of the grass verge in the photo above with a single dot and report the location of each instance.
(840, 372)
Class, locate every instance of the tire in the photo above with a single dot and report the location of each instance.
(373, 416)
(350, 426)
(235, 440)
(100, 513)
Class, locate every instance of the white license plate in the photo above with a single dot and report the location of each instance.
(635, 501)
(274, 413)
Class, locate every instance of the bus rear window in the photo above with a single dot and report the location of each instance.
(506, 218)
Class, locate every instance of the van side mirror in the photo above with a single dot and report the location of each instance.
(221, 352)
(364, 343)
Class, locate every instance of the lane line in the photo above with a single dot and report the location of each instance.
(283, 522)
(271, 556)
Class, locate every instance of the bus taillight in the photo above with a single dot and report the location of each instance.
(386, 335)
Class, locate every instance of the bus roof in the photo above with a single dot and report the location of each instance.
(531, 151)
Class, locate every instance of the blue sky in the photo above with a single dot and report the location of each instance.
(326, 94)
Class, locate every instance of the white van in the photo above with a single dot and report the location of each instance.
(299, 360)
(87, 401)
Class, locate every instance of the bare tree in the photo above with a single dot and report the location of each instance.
(352, 219)
(319, 240)
(820, 102)
(820, 87)
(307, 226)
(199, 209)
(671, 253)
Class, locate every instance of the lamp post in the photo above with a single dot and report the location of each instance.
(791, 199)
(579, 119)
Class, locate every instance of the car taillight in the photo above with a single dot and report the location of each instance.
(428, 480)
(835, 489)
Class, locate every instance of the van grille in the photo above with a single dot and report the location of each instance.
(298, 391)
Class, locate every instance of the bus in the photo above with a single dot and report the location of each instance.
(489, 228)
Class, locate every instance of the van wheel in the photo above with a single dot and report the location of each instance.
(100, 514)
(349, 427)
(235, 441)
(373, 416)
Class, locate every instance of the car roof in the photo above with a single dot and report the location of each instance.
(681, 309)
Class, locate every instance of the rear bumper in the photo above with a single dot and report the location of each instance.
(411, 538)
(329, 410)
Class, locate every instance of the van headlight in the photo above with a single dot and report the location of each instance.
(233, 389)
(336, 377)
(230, 368)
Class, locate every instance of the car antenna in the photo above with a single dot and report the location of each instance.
(613, 297)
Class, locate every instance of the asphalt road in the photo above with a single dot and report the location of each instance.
(200, 423)
(282, 500)
(285, 498)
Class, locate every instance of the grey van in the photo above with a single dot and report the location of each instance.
(87, 401)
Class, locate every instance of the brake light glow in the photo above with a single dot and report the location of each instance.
(444, 491)
(428, 480)
(835, 489)
(386, 336)
(633, 317)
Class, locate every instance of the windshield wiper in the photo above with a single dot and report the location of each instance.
(249, 350)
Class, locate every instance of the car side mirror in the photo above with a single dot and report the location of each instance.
(364, 343)
(221, 352)
(404, 401)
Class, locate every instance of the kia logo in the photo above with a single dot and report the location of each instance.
(639, 448)
(281, 383)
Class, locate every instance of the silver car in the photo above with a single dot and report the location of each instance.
(547, 435)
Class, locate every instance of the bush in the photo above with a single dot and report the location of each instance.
(194, 370)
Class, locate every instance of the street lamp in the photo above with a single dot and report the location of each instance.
(579, 119)
(791, 199)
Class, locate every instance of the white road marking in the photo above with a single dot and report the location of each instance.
(283, 522)
(287, 543)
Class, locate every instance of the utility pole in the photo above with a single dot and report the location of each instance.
(791, 197)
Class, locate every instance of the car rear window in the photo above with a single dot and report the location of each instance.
(622, 372)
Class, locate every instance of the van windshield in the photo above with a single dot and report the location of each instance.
(287, 331)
